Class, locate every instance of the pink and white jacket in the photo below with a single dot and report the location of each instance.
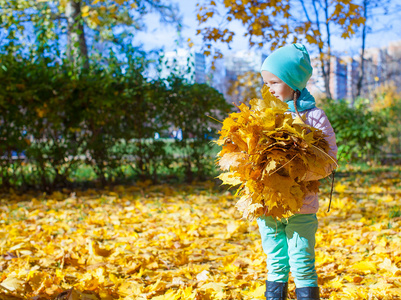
(316, 118)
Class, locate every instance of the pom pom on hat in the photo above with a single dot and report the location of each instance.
(291, 64)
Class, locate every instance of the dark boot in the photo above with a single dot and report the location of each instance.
(307, 293)
(276, 290)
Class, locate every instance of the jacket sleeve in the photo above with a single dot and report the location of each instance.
(319, 120)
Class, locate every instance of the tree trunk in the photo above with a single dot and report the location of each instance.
(325, 69)
(361, 65)
(327, 77)
(77, 50)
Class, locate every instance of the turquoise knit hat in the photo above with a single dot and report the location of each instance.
(291, 64)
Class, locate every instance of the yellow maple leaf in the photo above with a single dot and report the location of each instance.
(85, 11)
(13, 284)
(258, 293)
(365, 266)
(340, 187)
(272, 101)
(216, 286)
(169, 295)
(230, 178)
(232, 159)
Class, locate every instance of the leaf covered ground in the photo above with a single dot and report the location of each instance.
(188, 242)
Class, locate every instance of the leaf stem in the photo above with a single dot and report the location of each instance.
(325, 154)
(331, 191)
(214, 119)
(284, 164)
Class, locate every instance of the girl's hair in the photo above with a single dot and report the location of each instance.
(297, 93)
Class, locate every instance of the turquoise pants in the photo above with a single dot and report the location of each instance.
(290, 245)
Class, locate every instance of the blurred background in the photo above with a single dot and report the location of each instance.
(109, 92)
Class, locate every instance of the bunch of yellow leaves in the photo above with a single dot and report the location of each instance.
(268, 154)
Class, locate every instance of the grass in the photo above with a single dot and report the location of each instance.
(172, 170)
(84, 174)
(395, 212)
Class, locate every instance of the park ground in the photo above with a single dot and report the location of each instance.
(188, 242)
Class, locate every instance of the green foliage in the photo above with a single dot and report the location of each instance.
(49, 19)
(387, 102)
(359, 131)
(191, 106)
(103, 117)
(395, 212)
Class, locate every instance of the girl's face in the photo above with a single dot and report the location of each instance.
(277, 87)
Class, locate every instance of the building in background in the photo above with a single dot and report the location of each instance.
(237, 75)
(394, 63)
(315, 84)
(381, 66)
(240, 62)
(187, 64)
(338, 78)
(384, 66)
(352, 77)
(200, 68)
(217, 77)
(243, 80)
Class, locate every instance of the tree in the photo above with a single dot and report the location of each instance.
(279, 22)
(76, 33)
(372, 9)
(325, 64)
(245, 87)
(78, 18)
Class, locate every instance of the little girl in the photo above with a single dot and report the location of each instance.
(290, 242)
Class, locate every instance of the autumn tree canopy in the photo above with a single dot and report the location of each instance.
(275, 23)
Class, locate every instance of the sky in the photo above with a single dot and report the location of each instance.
(159, 35)
(385, 29)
